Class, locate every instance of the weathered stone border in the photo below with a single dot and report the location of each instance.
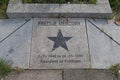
(18, 10)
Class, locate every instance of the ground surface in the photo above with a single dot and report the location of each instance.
(63, 75)
(53, 43)
(60, 43)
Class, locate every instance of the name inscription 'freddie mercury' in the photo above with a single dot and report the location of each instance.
(60, 23)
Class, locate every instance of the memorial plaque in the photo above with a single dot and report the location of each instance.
(59, 44)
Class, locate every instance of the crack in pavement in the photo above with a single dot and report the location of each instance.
(14, 31)
(104, 33)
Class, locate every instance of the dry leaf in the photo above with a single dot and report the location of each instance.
(117, 23)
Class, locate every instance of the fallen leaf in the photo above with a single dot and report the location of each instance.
(117, 23)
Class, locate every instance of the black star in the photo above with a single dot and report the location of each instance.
(59, 41)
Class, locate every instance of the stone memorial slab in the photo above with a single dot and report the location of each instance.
(59, 44)
(15, 46)
(103, 50)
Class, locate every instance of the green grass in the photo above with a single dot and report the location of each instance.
(4, 1)
(3, 7)
(115, 4)
(115, 69)
(61, 1)
(5, 68)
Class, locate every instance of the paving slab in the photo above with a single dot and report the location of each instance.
(104, 51)
(109, 27)
(88, 75)
(59, 43)
(85, 10)
(36, 75)
(17, 9)
(7, 26)
(16, 46)
(41, 10)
